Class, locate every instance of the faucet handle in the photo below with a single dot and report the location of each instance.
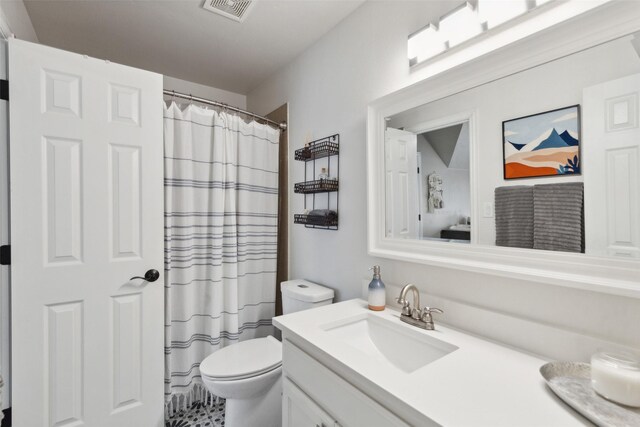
(406, 307)
(425, 315)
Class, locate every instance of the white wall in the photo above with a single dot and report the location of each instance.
(328, 88)
(14, 19)
(208, 92)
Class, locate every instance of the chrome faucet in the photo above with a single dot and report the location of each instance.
(416, 316)
(406, 307)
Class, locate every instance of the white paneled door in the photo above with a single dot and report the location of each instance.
(86, 216)
(611, 153)
(401, 176)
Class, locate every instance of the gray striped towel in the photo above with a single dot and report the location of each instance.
(559, 217)
(514, 216)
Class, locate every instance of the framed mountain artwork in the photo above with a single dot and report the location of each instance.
(543, 144)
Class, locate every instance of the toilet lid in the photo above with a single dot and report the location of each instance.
(244, 359)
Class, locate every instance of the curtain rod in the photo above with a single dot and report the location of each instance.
(173, 93)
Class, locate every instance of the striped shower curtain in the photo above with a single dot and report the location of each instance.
(221, 217)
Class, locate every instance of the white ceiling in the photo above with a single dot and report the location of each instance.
(178, 38)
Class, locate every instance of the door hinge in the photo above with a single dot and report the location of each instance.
(418, 170)
(419, 217)
(5, 255)
(4, 89)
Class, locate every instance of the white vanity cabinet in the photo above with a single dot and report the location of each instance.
(315, 396)
(299, 410)
(341, 367)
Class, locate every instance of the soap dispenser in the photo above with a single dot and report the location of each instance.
(377, 295)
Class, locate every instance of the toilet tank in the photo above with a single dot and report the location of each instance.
(300, 295)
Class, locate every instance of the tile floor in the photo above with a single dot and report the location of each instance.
(199, 415)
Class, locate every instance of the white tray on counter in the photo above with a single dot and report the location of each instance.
(571, 381)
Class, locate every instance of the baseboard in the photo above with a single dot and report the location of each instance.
(6, 421)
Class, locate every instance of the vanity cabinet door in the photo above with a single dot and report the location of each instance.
(298, 410)
(348, 404)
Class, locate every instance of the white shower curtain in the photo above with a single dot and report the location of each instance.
(221, 228)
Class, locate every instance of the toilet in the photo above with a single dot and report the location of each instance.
(248, 374)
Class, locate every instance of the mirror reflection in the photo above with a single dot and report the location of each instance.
(429, 168)
(543, 159)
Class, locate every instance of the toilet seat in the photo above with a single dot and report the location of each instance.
(245, 359)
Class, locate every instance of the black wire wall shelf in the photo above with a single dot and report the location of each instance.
(325, 147)
(327, 150)
(317, 186)
(316, 221)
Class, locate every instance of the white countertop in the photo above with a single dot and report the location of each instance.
(479, 384)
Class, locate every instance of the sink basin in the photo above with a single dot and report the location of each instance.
(396, 345)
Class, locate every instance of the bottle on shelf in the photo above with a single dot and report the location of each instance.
(305, 153)
(323, 174)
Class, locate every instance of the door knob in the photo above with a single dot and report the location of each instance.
(150, 276)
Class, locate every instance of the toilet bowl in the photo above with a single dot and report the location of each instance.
(248, 374)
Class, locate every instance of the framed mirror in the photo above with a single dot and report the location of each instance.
(522, 163)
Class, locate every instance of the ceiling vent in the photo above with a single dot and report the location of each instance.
(236, 10)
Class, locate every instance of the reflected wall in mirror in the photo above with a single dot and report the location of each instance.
(461, 180)
(427, 181)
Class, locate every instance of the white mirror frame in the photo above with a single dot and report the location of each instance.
(607, 275)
